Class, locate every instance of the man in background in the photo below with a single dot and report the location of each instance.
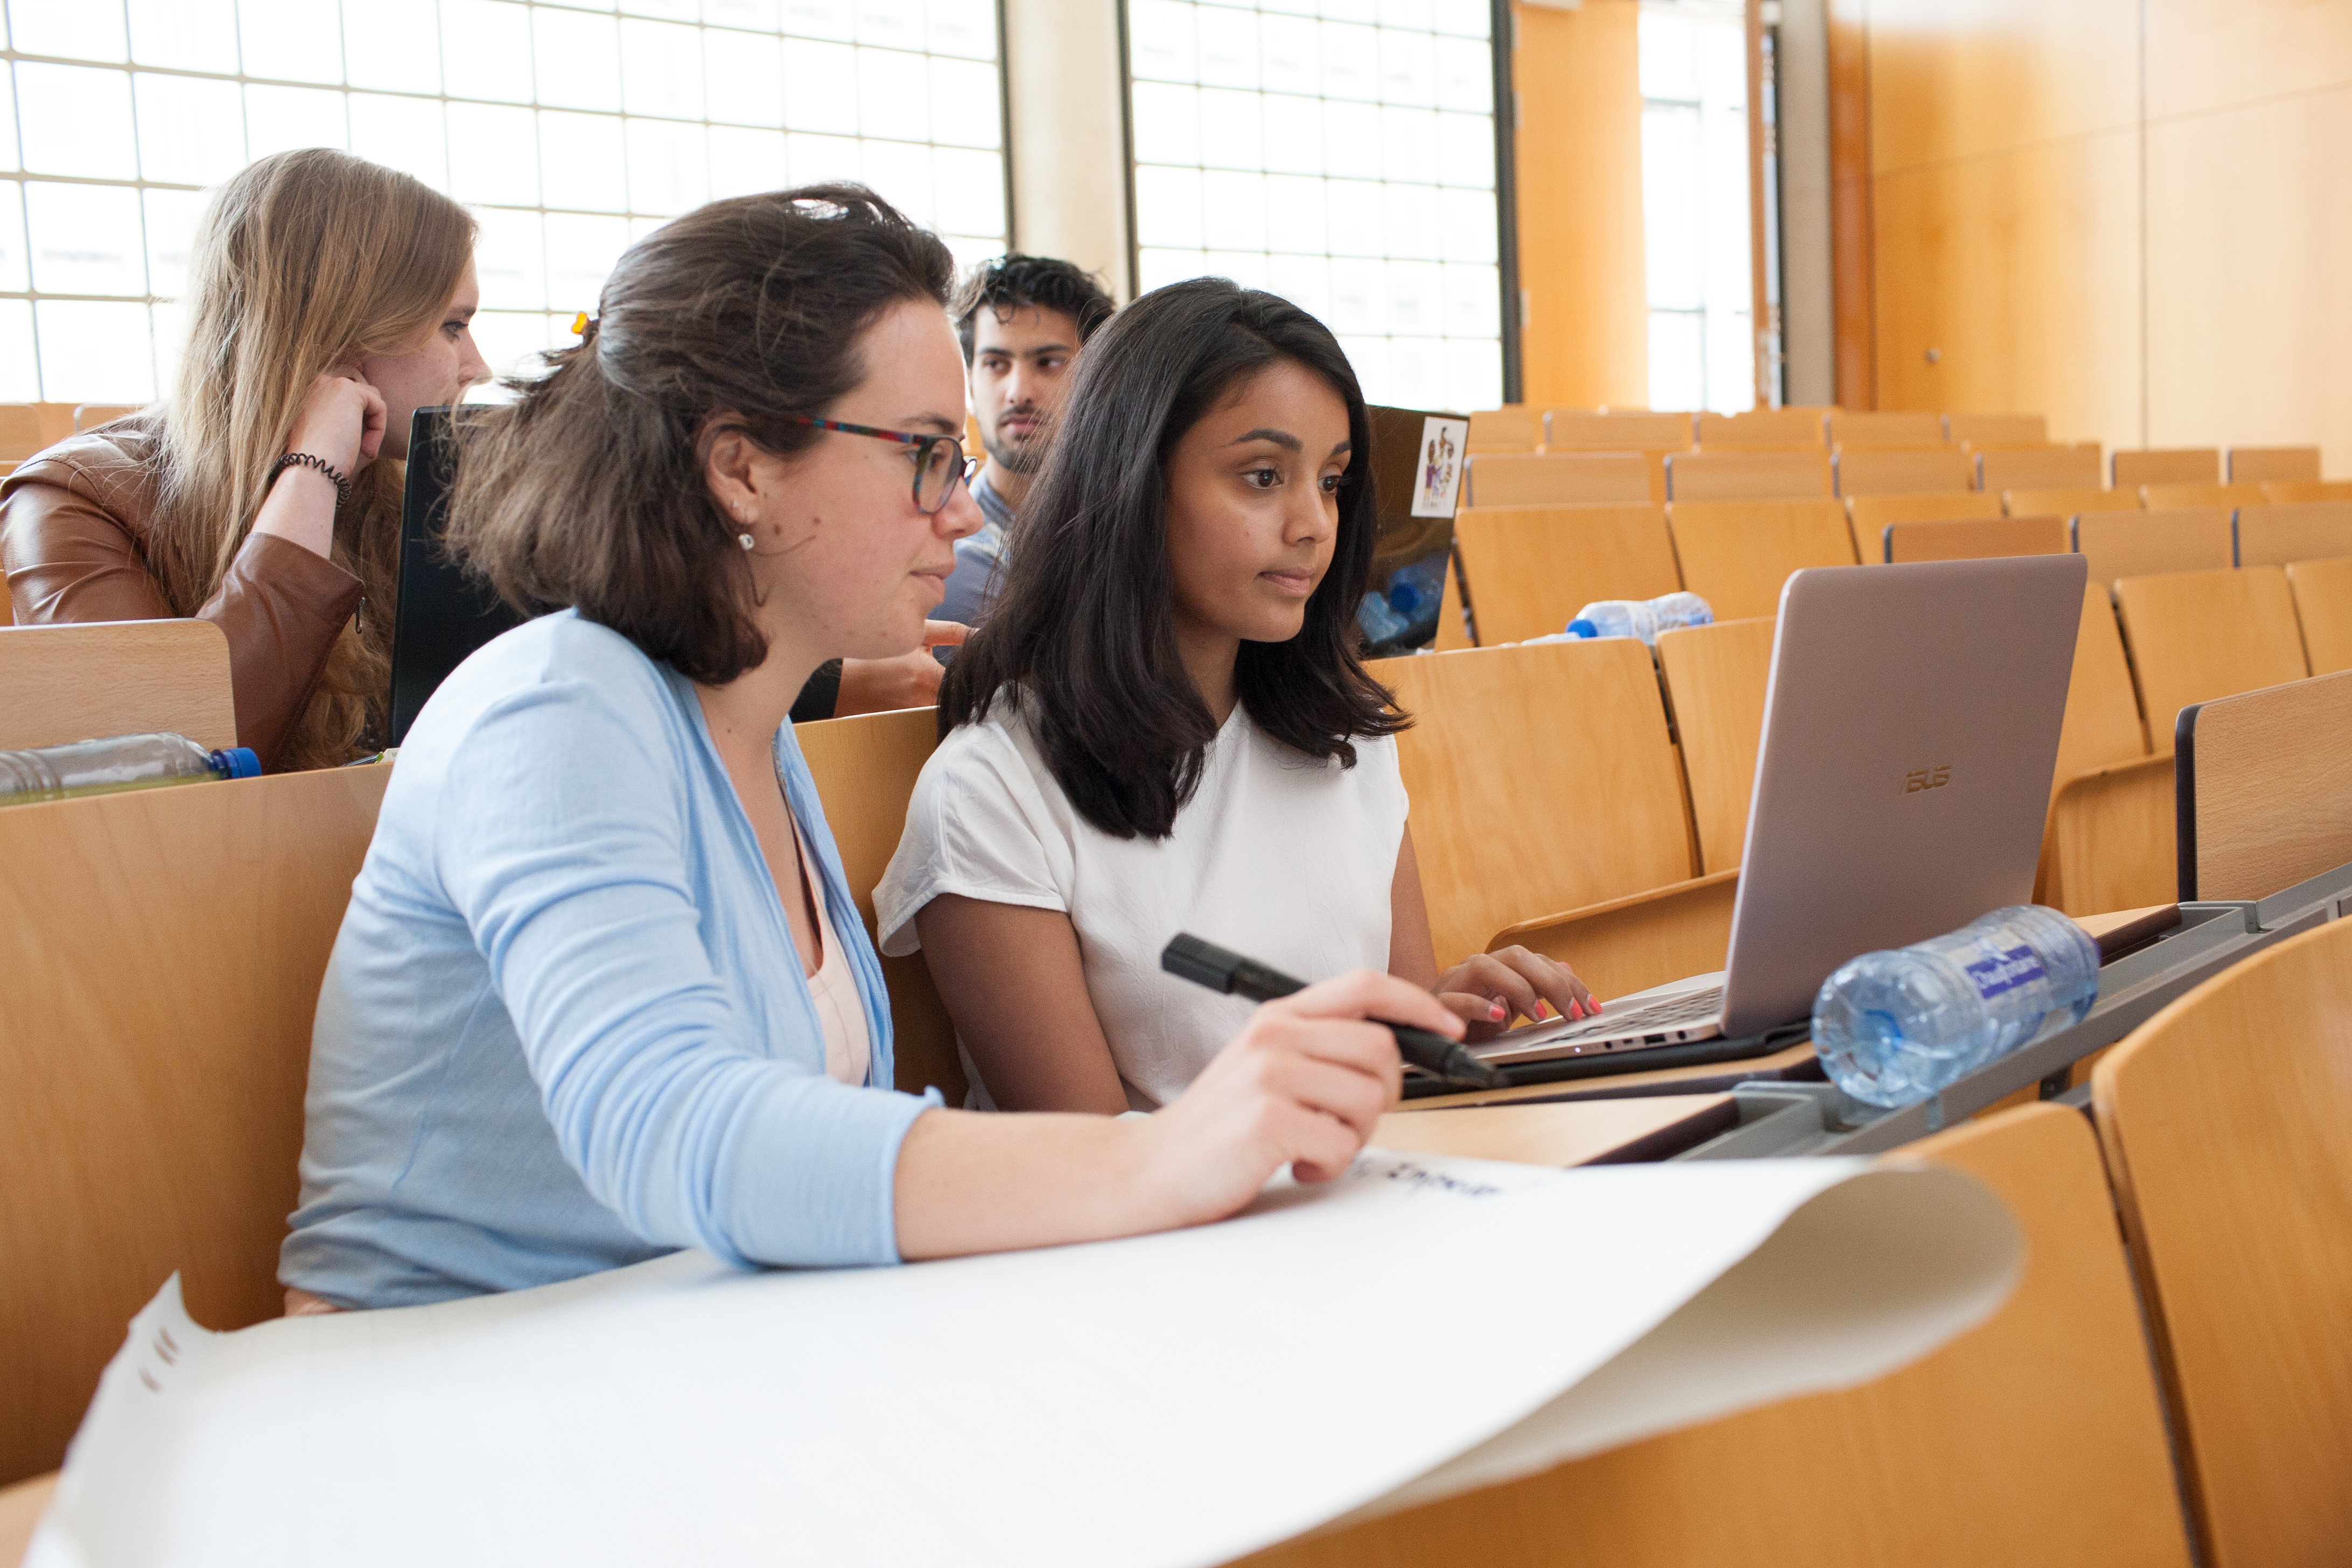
(1023, 320)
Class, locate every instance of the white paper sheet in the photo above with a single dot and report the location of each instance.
(1424, 1325)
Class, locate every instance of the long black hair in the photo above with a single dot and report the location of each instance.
(1084, 629)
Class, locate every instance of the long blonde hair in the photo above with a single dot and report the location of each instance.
(302, 262)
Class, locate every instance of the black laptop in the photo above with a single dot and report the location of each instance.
(443, 613)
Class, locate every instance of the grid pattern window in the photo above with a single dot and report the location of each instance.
(570, 130)
(1694, 67)
(1341, 153)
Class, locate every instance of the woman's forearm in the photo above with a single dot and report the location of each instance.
(973, 1181)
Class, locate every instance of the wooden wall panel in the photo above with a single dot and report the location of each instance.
(2210, 54)
(2250, 218)
(2020, 269)
(1585, 341)
(1960, 79)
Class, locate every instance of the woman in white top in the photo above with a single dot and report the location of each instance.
(1164, 727)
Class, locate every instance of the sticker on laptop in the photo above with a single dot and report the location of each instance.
(1443, 444)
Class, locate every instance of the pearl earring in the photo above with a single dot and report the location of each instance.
(744, 540)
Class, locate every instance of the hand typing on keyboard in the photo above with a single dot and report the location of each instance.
(1491, 989)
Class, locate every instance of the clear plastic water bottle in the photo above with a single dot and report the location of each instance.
(1893, 1028)
(1642, 618)
(119, 763)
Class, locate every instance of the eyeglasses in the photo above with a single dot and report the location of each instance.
(940, 461)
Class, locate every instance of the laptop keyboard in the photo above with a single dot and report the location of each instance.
(1687, 1008)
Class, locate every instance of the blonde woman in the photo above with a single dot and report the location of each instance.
(328, 299)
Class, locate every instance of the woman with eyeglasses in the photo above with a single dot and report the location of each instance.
(602, 992)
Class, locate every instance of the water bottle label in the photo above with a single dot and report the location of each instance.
(2005, 972)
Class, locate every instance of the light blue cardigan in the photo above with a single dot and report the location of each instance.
(564, 1026)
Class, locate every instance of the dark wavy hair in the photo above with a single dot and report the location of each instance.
(588, 491)
(1011, 282)
(1085, 628)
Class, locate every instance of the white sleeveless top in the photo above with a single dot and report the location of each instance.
(1281, 857)
(848, 1045)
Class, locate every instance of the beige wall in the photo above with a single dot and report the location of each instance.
(2148, 255)
(1069, 135)
(1584, 341)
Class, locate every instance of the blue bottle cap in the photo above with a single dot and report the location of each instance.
(1580, 627)
(236, 763)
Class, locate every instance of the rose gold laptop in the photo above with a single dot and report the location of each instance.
(1910, 732)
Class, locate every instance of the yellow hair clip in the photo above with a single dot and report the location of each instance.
(580, 325)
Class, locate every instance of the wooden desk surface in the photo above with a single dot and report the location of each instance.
(20, 1510)
(1583, 1133)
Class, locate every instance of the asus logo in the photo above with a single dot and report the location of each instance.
(1923, 778)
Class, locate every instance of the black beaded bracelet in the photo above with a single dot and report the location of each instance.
(312, 460)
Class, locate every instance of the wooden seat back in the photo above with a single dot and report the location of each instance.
(2063, 502)
(1746, 475)
(1530, 479)
(1454, 617)
(2143, 543)
(2281, 492)
(1870, 515)
(163, 950)
(1997, 430)
(91, 415)
(1972, 539)
(1797, 426)
(2197, 636)
(1735, 555)
(2130, 469)
(78, 682)
(21, 431)
(1901, 470)
(2103, 724)
(1595, 808)
(864, 768)
(2322, 608)
(2254, 464)
(1532, 568)
(2039, 468)
(2223, 1119)
(2265, 801)
(1514, 428)
(1884, 427)
(2307, 531)
(1573, 430)
(1946, 1461)
(1715, 678)
(2172, 498)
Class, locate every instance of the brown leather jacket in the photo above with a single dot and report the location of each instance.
(73, 536)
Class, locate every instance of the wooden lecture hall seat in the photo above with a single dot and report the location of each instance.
(1515, 427)
(2064, 502)
(2285, 492)
(1530, 568)
(2310, 530)
(81, 681)
(2196, 635)
(1596, 805)
(1884, 428)
(2039, 468)
(2323, 607)
(1983, 430)
(1946, 1461)
(864, 768)
(1735, 554)
(1870, 515)
(2107, 844)
(1453, 616)
(2265, 797)
(2171, 498)
(1555, 479)
(2223, 1120)
(1714, 678)
(1573, 430)
(2142, 543)
(2257, 465)
(1968, 538)
(1738, 475)
(1913, 470)
(2164, 465)
(1795, 425)
(164, 953)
